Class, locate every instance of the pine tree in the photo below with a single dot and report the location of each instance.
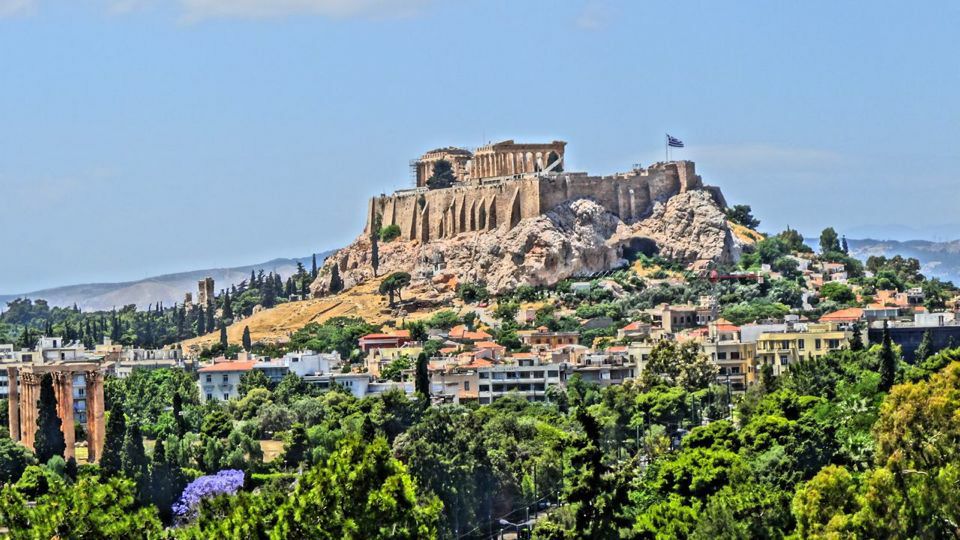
(304, 288)
(247, 344)
(49, 440)
(111, 461)
(223, 336)
(134, 463)
(844, 246)
(888, 361)
(422, 380)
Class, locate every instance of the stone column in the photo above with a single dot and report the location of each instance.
(13, 404)
(95, 427)
(28, 417)
(63, 389)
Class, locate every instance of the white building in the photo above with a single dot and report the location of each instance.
(221, 380)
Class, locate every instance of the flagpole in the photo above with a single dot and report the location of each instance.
(666, 147)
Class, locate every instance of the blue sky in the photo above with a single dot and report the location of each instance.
(140, 137)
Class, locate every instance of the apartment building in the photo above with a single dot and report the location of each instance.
(798, 343)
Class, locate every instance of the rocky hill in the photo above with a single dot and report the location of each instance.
(578, 237)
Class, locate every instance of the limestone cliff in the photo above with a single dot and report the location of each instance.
(575, 238)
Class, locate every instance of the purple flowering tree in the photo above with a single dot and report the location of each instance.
(225, 482)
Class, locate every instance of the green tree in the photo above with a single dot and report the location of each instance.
(888, 361)
(742, 214)
(392, 284)
(166, 483)
(48, 441)
(925, 349)
(14, 459)
(295, 448)
(422, 381)
(255, 378)
(829, 241)
(372, 492)
(112, 460)
(180, 421)
(684, 365)
(223, 336)
(443, 175)
(336, 282)
(247, 344)
(90, 508)
(389, 233)
(374, 246)
(134, 464)
(856, 340)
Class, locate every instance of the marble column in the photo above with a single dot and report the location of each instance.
(95, 427)
(13, 404)
(63, 389)
(28, 417)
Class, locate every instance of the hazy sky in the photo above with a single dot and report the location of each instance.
(141, 137)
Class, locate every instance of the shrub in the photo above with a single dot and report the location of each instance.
(390, 232)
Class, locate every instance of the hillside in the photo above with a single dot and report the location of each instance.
(167, 288)
(272, 325)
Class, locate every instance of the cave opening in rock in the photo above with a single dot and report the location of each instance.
(637, 246)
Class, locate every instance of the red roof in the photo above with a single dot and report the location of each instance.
(635, 325)
(227, 366)
(843, 315)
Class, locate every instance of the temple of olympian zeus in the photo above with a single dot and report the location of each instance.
(23, 403)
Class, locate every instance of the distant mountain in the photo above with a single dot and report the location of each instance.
(168, 288)
(937, 259)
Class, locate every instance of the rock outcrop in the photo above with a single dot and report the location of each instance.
(578, 237)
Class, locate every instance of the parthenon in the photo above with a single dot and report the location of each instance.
(23, 397)
(501, 159)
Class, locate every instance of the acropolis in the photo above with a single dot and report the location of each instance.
(505, 182)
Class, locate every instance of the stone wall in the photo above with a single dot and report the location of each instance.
(427, 215)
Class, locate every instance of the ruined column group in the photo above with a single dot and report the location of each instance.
(24, 393)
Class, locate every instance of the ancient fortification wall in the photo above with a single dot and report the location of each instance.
(426, 215)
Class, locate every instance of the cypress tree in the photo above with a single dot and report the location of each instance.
(201, 322)
(856, 342)
(223, 336)
(888, 361)
(247, 344)
(374, 251)
(295, 451)
(336, 282)
(180, 422)
(49, 439)
(304, 288)
(422, 380)
(164, 484)
(111, 461)
(313, 267)
(134, 463)
(210, 314)
(227, 307)
(925, 349)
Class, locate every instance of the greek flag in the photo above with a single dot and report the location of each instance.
(674, 142)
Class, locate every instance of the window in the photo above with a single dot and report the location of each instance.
(209, 396)
(484, 375)
(553, 373)
(735, 355)
(800, 344)
(721, 355)
(817, 344)
(466, 385)
(209, 378)
(226, 397)
(784, 360)
(484, 387)
(735, 370)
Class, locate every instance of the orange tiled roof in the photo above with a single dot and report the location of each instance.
(843, 315)
(488, 345)
(227, 366)
(635, 325)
